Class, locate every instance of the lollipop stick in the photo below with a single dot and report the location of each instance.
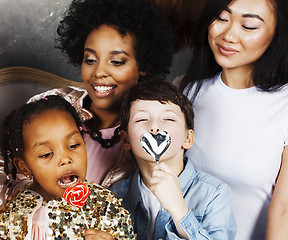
(157, 160)
(85, 220)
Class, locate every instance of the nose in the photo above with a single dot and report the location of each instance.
(154, 128)
(231, 34)
(65, 159)
(100, 70)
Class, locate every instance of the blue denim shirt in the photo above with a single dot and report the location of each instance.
(208, 199)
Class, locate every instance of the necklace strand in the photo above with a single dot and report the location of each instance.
(105, 143)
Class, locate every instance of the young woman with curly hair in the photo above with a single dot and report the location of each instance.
(116, 43)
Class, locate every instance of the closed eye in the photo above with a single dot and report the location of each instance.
(221, 19)
(142, 120)
(46, 155)
(249, 28)
(90, 61)
(74, 146)
(117, 63)
(170, 119)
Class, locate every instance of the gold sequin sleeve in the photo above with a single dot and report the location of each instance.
(112, 216)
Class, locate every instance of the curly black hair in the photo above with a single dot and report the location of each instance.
(12, 144)
(141, 18)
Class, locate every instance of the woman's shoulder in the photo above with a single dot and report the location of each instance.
(200, 85)
(178, 80)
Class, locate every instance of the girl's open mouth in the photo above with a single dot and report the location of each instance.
(69, 180)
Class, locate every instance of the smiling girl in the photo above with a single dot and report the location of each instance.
(43, 141)
(237, 82)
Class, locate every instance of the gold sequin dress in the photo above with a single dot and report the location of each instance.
(102, 211)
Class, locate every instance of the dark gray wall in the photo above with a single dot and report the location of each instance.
(27, 33)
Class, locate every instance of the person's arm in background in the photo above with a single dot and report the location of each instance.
(277, 219)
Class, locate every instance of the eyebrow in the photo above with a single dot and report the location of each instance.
(165, 111)
(115, 52)
(247, 15)
(37, 144)
(250, 15)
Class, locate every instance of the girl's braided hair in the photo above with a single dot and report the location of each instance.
(12, 144)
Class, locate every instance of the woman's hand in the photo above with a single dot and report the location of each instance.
(93, 234)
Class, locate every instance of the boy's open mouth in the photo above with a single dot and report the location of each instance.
(68, 180)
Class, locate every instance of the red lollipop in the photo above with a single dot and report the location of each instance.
(77, 196)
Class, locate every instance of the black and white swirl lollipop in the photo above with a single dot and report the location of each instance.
(155, 144)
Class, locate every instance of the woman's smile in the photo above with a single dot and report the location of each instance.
(103, 90)
(109, 67)
(226, 51)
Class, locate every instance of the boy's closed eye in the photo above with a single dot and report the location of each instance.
(141, 120)
(170, 116)
(170, 119)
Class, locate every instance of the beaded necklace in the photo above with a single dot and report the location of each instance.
(96, 135)
(105, 143)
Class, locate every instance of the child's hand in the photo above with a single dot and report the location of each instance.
(165, 186)
(93, 234)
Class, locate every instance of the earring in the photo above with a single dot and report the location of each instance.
(30, 177)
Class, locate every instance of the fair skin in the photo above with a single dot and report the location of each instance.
(108, 70)
(238, 38)
(161, 178)
(55, 155)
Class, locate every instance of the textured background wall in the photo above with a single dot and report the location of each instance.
(27, 33)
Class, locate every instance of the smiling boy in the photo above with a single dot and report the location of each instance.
(169, 199)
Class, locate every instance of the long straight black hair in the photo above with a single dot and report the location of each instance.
(271, 69)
